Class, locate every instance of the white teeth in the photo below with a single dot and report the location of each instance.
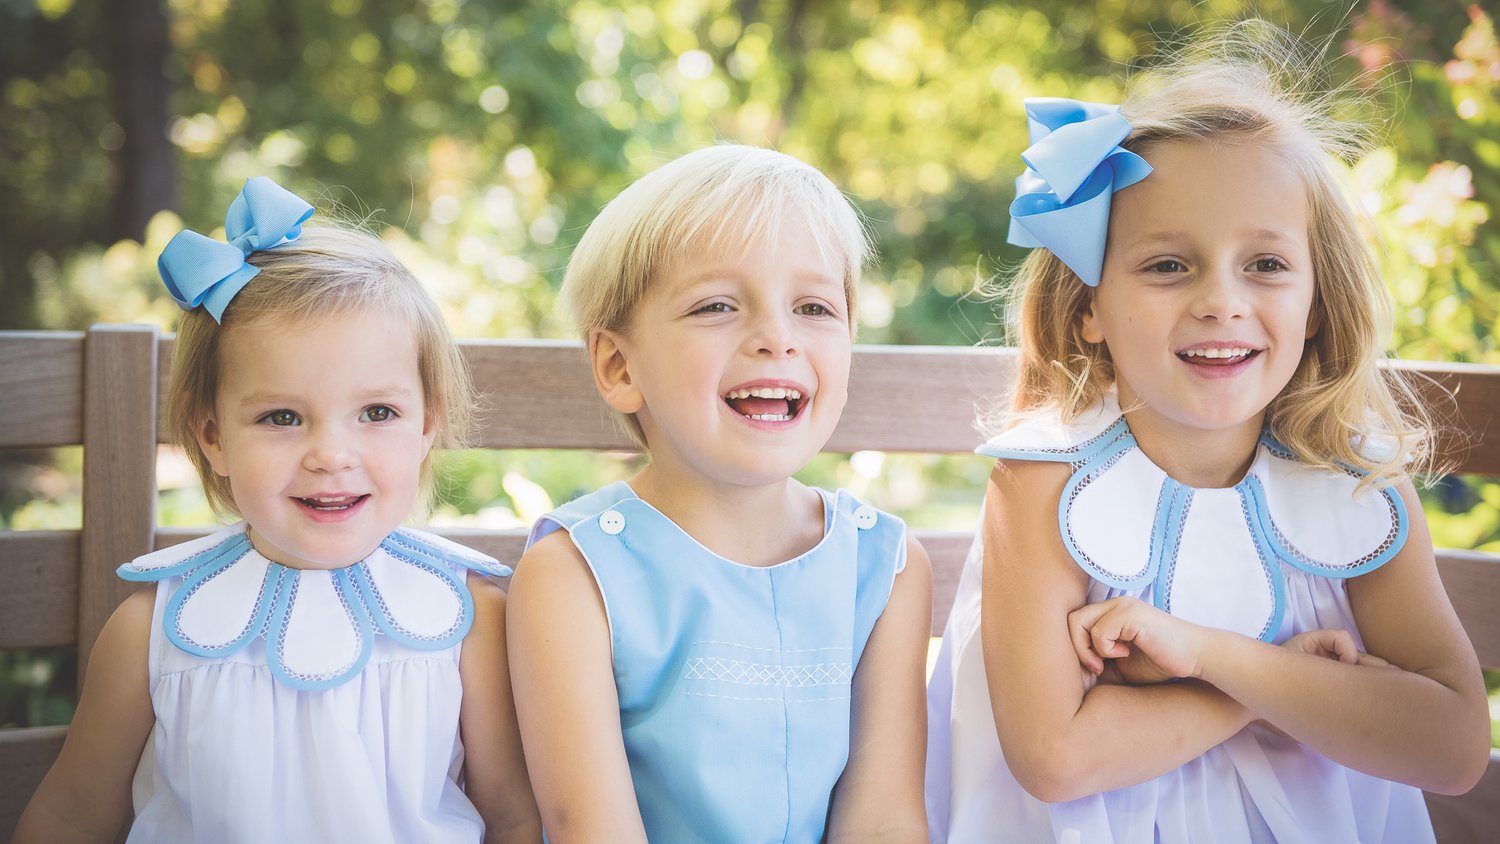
(1233, 352)
(763, 393)
(770, 417)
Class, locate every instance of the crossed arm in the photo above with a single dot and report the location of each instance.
(1061, 733)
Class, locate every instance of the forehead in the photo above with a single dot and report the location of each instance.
(353, 344)
(1214, 187)
(788, 244)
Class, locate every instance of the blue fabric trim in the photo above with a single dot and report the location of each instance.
(276, 636)
(1289, 555)
(1081, 453)
(1166, 538)
(235, 545)
(193, 582)
(1101, 461)
(379, 612)
(1253, 500)
(413, 543)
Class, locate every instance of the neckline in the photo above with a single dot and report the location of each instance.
(1257, 458)
(830, 520)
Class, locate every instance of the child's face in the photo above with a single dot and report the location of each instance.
(1206, 298)
(739, 364)
(320, 427)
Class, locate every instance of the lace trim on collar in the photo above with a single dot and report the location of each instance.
(318, 625)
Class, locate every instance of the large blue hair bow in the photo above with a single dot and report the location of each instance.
(1073, 166)
(202, 271)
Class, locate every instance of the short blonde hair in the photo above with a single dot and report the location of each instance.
(714, 197)
(1243, 84)
(330, 270)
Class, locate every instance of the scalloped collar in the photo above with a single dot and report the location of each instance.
(1212, 556)
(318, 624)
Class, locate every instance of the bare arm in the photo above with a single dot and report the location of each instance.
(1422, 720)
(1060, 741)
(569, 711)
(879, 796)
(86, 795)
(494, 767)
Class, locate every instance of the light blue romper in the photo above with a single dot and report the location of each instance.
(734, 680)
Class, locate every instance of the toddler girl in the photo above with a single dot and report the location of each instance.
(314, 672)
(713, 651)
(1205, 463)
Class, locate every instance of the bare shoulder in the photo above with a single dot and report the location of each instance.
(129, 626)
(489, 595)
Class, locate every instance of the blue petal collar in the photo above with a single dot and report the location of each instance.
(1213, 556)
(318, 625)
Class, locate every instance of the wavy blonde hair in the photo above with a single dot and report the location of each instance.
(1246, 83)
(721, 196)
(331, 270)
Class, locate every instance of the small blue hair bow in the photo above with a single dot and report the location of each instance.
(202, 271)
(1074, 165)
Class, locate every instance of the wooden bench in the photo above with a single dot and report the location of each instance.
(102, 390)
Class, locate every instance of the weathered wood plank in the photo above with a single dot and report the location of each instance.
(1472, 581)
(41, 378)
(901, 398)
(38, 606)
(25, 756)
(119, 469)
(1472, 817)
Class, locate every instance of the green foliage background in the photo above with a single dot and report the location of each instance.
(480, 138)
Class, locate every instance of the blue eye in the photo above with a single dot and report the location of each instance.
(377, 413)
(282, 418)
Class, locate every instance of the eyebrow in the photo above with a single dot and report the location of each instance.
(1254, 234)
(385, 392)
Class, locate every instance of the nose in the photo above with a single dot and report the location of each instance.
(774, 335)
(329, 449)
(1219, 294)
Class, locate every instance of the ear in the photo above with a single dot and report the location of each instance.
(429, 431)
(607, 356)
(209, 443)
(1089, 323)
(1314, 319)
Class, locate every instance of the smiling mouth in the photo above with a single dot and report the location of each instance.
(1227, 356)
(766, 404)
(331, 504)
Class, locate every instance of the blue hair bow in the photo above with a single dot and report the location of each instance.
(1073, 166)
(202, 271)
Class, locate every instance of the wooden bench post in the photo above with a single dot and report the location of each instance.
(119, 469)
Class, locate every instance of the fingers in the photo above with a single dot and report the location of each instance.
(1080, 621)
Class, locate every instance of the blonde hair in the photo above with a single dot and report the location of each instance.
(712, 198)
(1243, 83)
(329, 271)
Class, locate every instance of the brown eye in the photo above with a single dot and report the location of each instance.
(282, 418)
(377, 413)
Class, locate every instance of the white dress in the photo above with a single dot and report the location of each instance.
(316, 706)
(1268, 558)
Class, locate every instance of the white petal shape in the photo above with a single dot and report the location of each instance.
(1111, 517)
(1218, 579)
(222, 610)
(316, 636)
(420, 600)
(1369, 529)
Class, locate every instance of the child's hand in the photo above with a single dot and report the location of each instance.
(1335, 644)
(1139, 642)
